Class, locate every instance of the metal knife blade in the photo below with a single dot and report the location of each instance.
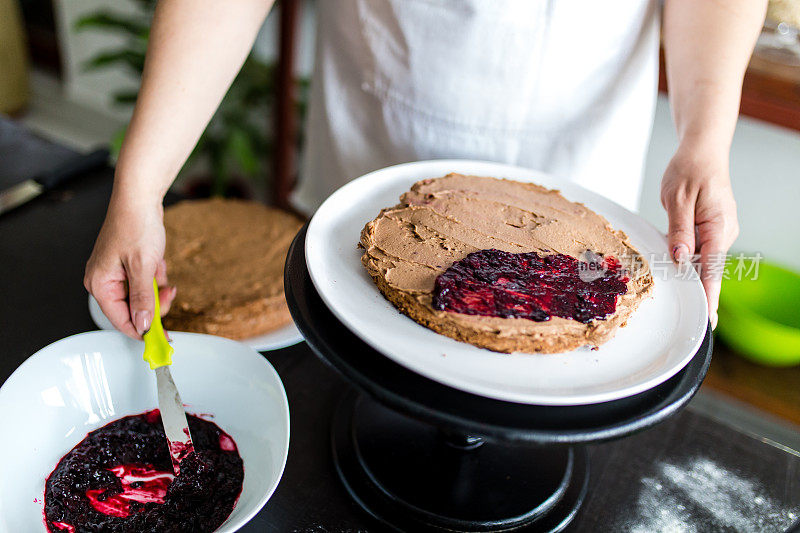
(27, 190)
(18, 194)
(173, 417)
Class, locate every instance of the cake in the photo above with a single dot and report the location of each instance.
(504, 265)
(226, 258)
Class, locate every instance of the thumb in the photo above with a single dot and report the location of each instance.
(681, 228)
(140, 293)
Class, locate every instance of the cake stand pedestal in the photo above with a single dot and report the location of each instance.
(421, 456)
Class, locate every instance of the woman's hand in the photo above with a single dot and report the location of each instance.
(188, 40)
(128, 253)
(705, 65)
(696, 192)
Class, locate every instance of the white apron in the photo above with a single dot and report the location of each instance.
(563, 86)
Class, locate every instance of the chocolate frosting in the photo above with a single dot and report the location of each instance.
(440, 221)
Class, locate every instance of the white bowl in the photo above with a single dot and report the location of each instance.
(83, 382)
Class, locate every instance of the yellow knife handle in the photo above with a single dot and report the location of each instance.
(157, 350)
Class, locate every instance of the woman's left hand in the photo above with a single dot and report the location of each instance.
(696, 192)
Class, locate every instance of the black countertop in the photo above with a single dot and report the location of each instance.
(687, 474)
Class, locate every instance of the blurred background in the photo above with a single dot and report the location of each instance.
(69, 73)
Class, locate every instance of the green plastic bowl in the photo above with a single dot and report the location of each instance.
(760, 318)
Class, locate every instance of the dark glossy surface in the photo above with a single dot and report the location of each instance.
(43, 249)
(411, 475)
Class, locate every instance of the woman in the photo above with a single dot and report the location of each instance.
(567, 87)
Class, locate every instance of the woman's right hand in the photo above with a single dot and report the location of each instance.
(188, 40)
(128, 253)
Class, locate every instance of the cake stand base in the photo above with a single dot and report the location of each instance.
(411, 476)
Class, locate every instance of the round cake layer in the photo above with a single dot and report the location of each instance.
(440, 221)
(226, 257)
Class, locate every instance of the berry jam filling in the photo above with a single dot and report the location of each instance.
(527, 285)
(120, 478)
(179, 450)
(140, 483)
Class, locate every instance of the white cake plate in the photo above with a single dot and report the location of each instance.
(659, 339)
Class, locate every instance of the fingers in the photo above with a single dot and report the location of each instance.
(112, 297)
(712, 264)
(141, 299)
(717, 229)
(712, 287)
(166, 293)
(127, 256)
(161, 274)
(697, 194)
(680, 210)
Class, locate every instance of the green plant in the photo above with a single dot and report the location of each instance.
(238, 139)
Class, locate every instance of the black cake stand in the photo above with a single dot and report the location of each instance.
(421, 456)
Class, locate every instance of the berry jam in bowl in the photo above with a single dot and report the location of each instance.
(87, 401)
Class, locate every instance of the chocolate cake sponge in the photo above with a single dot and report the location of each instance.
(441, 221)
(226, 257)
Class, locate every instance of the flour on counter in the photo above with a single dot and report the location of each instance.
(702, 496)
